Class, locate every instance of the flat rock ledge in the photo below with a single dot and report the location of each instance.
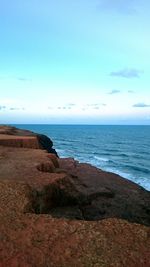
(59, 212)
(14, 137)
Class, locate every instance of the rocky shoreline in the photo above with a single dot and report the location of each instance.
(59, 212)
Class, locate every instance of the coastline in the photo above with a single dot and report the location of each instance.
(123, 150)
(74, 203)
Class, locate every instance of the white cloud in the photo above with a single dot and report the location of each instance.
(141, 105)
(114, 92)
(127, 73)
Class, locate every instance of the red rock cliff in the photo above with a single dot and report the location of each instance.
(47, 204)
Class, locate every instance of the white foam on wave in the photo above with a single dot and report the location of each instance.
(121, 173)
(145, 184)
(62, 153)
(101, 158)
(103, 163)
(60, 150)
(142, 182)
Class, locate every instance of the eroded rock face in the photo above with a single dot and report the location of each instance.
(58, 212)
(32, 240)
(65, 188)
(12, 136)
(106, 194)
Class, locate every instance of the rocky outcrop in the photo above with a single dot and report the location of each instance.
(66, 188)
(12, 136)
(32, 240)
(107, 195)
(59, 212)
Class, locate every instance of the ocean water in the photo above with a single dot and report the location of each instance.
(124, 150)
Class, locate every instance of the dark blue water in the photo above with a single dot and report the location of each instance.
(124, 150)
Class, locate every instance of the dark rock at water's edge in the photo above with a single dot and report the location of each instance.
(46, 143)
(100, 195)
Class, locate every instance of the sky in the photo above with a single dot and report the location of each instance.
(75, 62)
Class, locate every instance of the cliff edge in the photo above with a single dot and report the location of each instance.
(14, 137)
(59, 212)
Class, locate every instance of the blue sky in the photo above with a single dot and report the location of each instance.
(83, 61)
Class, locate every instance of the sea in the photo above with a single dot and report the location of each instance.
(124, 150)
